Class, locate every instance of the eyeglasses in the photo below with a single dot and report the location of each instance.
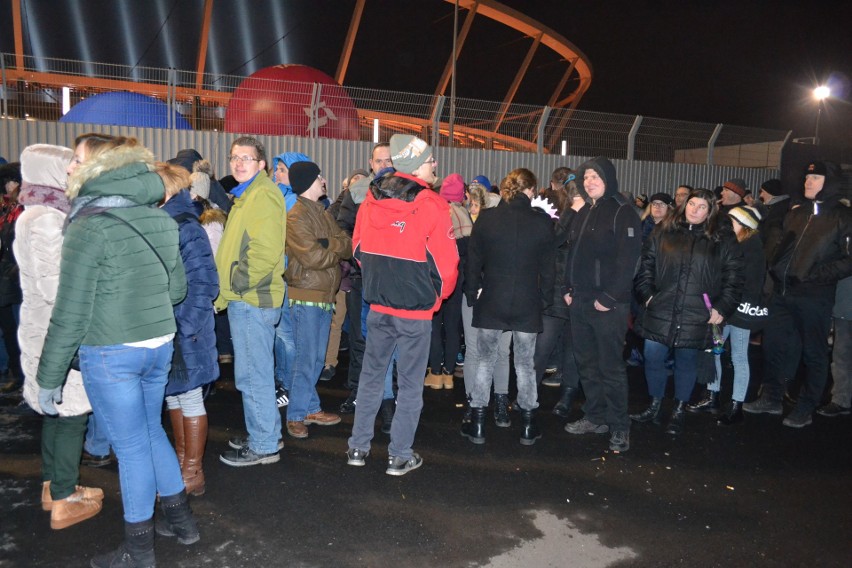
(658, 204)
(243, 159)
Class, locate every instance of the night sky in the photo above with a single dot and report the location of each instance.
(745, 62)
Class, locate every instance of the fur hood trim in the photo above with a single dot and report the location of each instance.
(110, 160)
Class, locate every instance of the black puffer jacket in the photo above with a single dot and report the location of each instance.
(814, 248)
(510, 257)
(676, 269)
(751, 313)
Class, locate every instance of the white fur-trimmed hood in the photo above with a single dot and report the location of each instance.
(114, 159)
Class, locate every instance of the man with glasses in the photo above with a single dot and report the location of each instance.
(250, 261)
(315, 247)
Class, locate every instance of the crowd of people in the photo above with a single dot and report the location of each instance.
(126, 282)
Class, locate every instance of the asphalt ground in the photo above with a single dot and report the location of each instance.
(758, 494)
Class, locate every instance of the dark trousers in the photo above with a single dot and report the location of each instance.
(556, 333)
(223, 334)
(798, 328)
(61, 448)
(9, 325)
(598, 345)
(356, 338)
(446, 333)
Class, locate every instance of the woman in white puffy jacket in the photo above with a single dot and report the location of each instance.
(38, 248)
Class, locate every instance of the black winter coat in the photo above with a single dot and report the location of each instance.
(676, 269)
(510, 256)
(751, 312)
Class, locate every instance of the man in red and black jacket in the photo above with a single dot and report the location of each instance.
(404, 243)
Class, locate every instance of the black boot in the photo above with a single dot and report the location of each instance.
(734, 414)
(650, 414)
(501, 410)
(708, 403)
(137, 550)
(566, 399)
(678, 419)
(475, 429)
(530, 432)
(467, 411)
(386, 411)
(178, 520)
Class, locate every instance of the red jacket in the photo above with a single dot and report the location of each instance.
(407, 252)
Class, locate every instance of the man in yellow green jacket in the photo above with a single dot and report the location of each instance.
(250, 261)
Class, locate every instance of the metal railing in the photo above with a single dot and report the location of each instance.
(183, 99)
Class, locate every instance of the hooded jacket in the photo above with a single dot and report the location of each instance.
(38, 246)
(250, 258)
(113, 289)
(510, 257)
(404, 244)
(677, 268)
(605, 239)
(196, 357)
(288, 159)
(813, 251)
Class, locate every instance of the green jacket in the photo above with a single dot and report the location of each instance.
(112, 287)
(250, 258)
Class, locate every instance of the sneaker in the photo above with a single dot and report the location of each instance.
(584, 426)
(282, 396)
(619, 441)
(348, 405)
(245, 456)
(297, 429)
(832, 409)
(401, 466)
(239, 442)
(356, 457)
(322, 418)
(763, 405)
(552, 380)
(327, 373)
(460, 359)
(90, 460)
(798, 419)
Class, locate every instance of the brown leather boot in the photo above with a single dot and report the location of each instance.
(434, 381)
(93, 493)
(72, 510)
(195, 432)
(176, 417)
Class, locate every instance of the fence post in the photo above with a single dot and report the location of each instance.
(4, 85)
(784, 145)
(436, 121)
(711, 144)
(539, 137)
(631, 138)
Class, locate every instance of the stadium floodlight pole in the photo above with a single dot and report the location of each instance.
(820, 94)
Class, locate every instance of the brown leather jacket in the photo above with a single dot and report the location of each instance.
(315, 246)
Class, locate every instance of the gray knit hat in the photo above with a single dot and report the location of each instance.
(408, 152)
(200, 185)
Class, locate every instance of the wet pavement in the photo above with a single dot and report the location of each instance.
(758, 494)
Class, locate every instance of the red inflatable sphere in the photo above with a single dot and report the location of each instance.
(279, 101)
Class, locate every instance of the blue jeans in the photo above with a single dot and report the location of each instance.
(365, 311)
(96, 442)
(311, 326)
(685, 370)
(285, 346)
(253, 335)
(126, 386)
(739, 357)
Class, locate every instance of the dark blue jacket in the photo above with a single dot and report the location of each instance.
(196, 360)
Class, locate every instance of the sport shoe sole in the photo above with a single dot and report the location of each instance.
(831, 410)
(595, 429)
(793, 423)
(356, 457)
(775, 411)
(397, 467)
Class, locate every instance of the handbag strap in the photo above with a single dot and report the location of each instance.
(144, 238)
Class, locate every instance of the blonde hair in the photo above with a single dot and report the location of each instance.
(516, 182)
(175, 178)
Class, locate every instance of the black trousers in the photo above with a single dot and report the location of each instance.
(356, 338)
(798, 328)
(555, 330)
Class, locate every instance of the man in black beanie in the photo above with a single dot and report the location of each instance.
(315, 247)
(811, 256)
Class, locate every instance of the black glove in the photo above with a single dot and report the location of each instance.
(323, 243)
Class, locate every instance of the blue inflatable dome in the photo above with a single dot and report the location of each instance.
(125, 109)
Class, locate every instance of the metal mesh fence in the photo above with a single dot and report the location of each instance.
(74, 91)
